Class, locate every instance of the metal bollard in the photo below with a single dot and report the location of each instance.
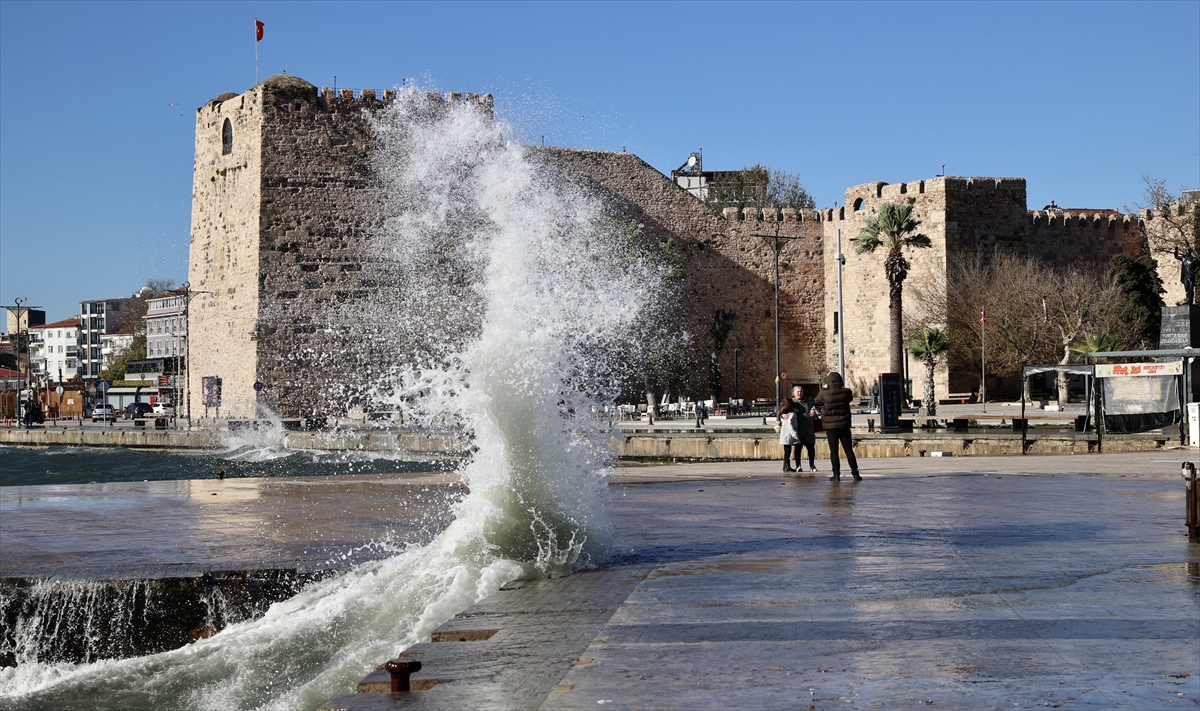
(1191, 501)
(400, 672)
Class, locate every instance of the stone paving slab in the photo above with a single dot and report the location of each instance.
(541, 630)
(970, 584)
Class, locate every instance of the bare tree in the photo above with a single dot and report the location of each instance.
(1082, 299)
(1174, 225)
(1035, 313)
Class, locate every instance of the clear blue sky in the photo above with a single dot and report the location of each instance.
(1079, 98)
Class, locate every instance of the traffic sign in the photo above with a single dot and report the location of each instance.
(59, 390)
(105, 385)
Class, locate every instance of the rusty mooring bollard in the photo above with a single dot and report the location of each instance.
(1191, 501)
(400, 672)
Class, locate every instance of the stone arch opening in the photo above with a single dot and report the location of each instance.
(859, 204)
(226, 138)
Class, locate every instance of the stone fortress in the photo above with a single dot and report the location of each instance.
(280, 259)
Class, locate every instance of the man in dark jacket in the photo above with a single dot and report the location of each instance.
(834, 401)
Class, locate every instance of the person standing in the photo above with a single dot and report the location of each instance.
(834, 401)
(787, 433)
(806, 437)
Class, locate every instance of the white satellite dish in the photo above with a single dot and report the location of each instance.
(692, 160)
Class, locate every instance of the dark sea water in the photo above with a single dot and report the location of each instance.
(26, 466)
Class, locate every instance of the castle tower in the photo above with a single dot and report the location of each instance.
(961, 216)
(279, 260)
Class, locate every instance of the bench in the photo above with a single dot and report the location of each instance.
(958, 399)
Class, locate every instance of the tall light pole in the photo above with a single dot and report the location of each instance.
(20, 386)
(187, 344)
(22, 304)
(983, 357)
(841, 312)
(777, 245)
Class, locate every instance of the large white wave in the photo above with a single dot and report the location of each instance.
(513, 286)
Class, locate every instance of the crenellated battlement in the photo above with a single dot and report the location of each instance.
(787, 215)
(387, 96)
(284, 88)
(1083, 219)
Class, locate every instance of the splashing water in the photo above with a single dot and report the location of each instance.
(532, 283)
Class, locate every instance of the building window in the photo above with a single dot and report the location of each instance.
(226, 138)
(835, 323)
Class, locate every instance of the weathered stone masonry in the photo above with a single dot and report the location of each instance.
(280, 257)
(282, 262)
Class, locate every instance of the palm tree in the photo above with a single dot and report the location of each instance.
(928, 348)
(893, 227)
(1097, 343)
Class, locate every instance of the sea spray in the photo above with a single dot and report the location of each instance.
(514, 286)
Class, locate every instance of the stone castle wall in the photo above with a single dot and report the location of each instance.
(960, 216)
(282, 237)
(285, 275)
(224, 254)
(725, 267)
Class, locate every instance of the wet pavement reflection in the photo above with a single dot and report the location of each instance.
(1046, 582)
(184, 528)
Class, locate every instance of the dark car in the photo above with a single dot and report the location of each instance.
(135, 410)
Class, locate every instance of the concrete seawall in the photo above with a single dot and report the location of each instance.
(742, 446)
(419, 445)
(648, 446)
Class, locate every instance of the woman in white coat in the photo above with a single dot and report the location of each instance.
(787, 432)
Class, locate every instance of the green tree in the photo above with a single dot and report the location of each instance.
(1142, 289)
(719, 330)
(894, 228)
(757, 186)
(135, 351)
(1097, 343)
(929, 348)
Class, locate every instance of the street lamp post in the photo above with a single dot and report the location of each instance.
(736, 352)
(22, 304)
(841, 312)
(777, 245)
(187, 344)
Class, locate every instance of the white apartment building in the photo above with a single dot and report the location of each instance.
(166, 325)
(98, 318)
(54, 350)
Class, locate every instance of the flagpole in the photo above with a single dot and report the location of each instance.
(256, 51)
(983, 358)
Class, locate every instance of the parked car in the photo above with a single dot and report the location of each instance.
(104, 412)
(165, 409)
(135, 410)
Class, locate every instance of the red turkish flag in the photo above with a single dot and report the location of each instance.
(982, 316)
(258, 31)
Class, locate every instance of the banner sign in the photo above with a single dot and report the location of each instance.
(1125, 370)
(891, 399)
(211, 387)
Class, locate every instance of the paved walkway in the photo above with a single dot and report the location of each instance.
(1017, 582)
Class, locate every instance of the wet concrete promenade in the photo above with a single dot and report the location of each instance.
(983, 583)
(186, 528)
